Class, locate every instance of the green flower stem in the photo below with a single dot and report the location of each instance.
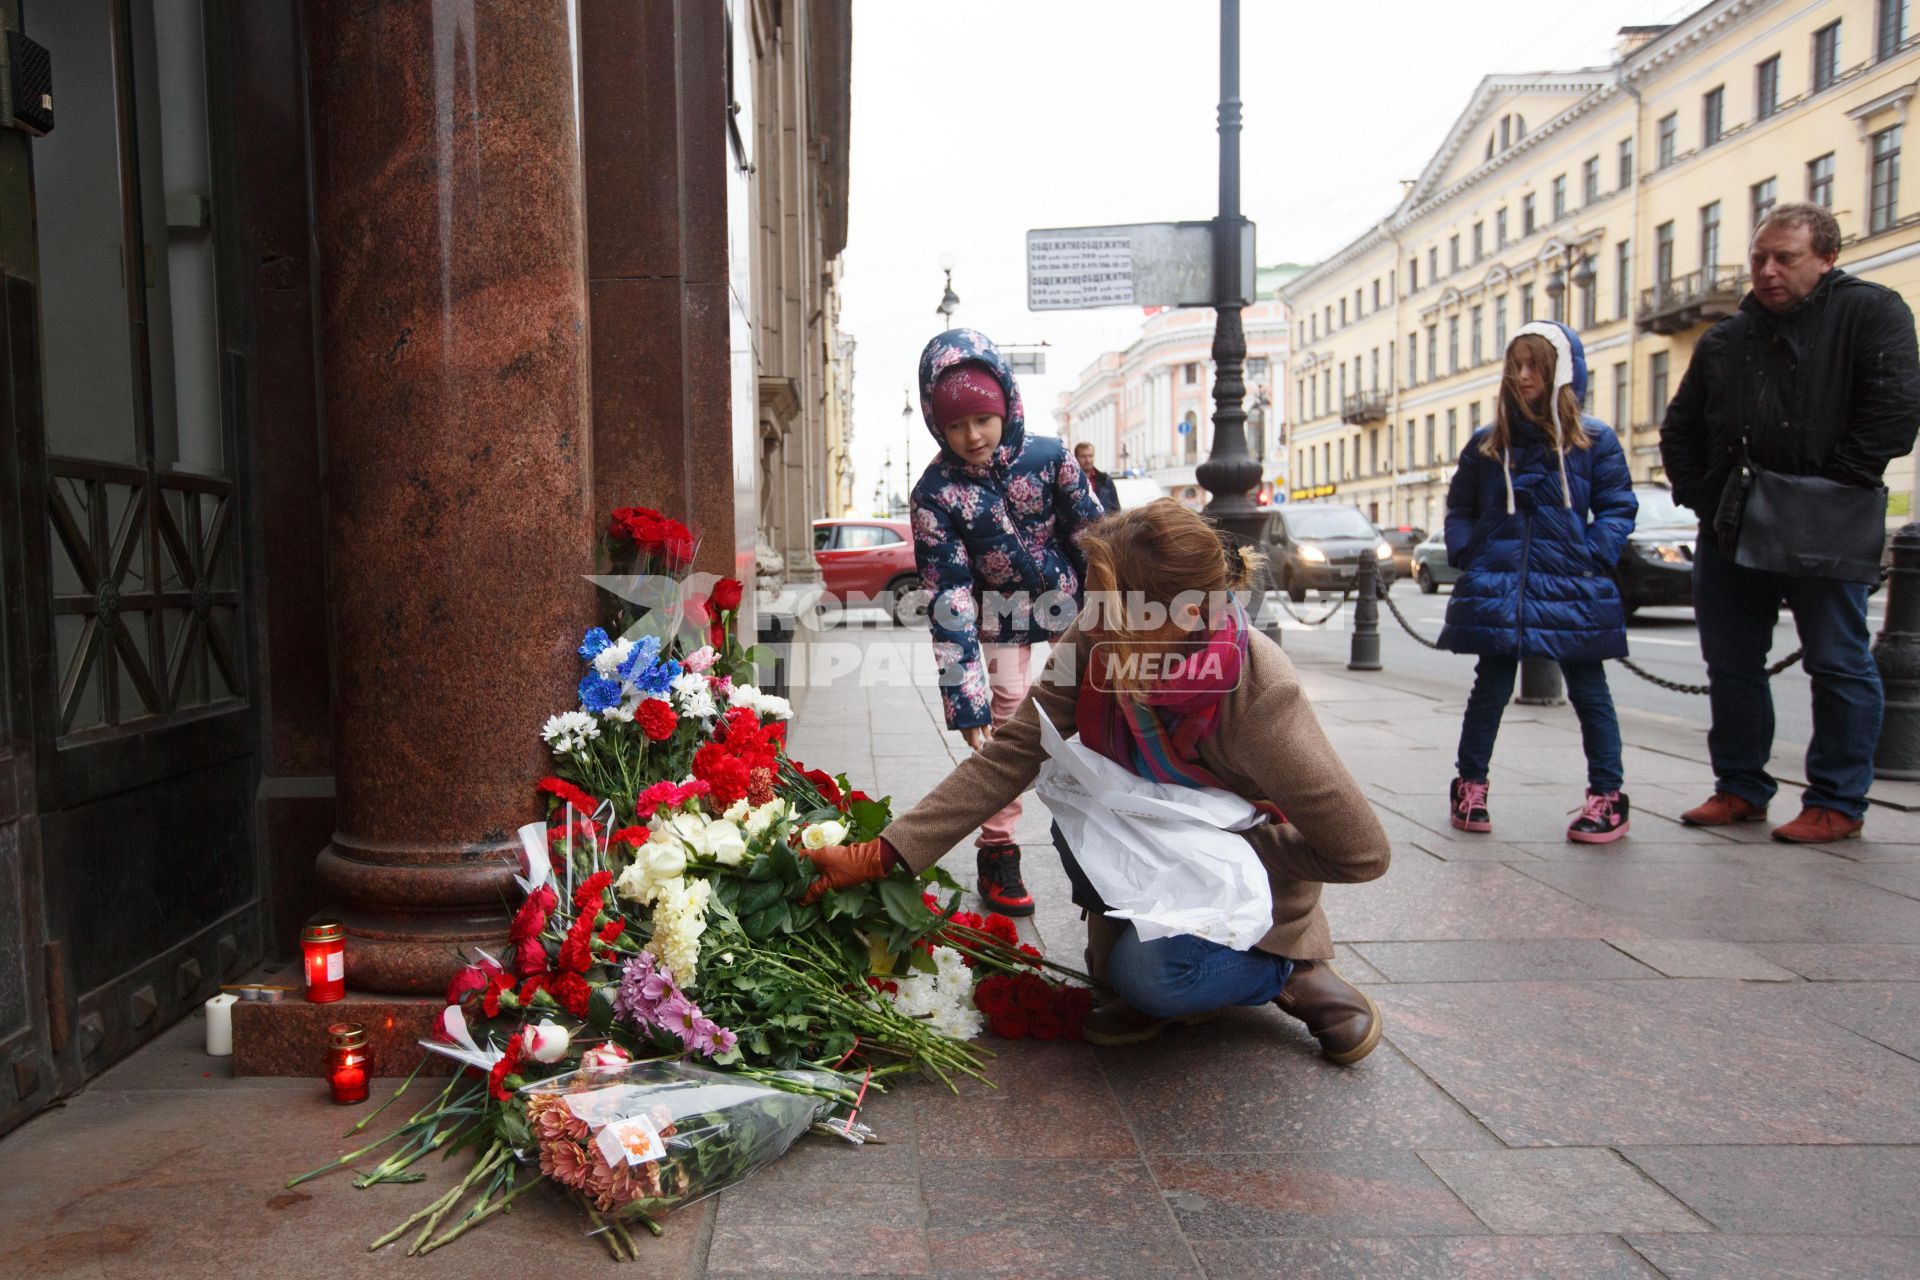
(485, 1165)
(475, 1219)
(369, 1117)
(606, 1230)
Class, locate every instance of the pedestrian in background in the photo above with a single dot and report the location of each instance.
(996, 521)
(1103, 487)
(1539, 509)
(1789, 412)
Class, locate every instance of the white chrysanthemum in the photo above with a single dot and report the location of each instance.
(693, 696)
(622, 713)
(679, 918)
(607, 661)
(943, 998)
(569, 731)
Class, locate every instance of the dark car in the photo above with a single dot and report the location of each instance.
(1656, 566)
(1403, 538)
(1430, 567)
(1320, 547)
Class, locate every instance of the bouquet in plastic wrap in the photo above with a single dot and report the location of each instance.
(640, 1140)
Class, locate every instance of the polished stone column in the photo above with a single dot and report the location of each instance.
(450, 250)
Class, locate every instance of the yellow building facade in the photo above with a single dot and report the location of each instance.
(1619, 199)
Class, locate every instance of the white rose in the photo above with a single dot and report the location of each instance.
(546, 1042)
(665, 861)
(742, 695)
(822, 834)
(604, 1058)
(765, 816)
(737, 811)
(773, 707)
(634, 883)
(726, 844)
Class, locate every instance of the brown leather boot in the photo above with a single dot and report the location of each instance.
(1114, 1021)
(1343, 1018)
(1723, 810)
(1819, 826)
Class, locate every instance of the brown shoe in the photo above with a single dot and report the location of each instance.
(1723, 810)
(1819, 826)
(1343, 1018)
(1114, 1021)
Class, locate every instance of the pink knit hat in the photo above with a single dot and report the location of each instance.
(965, 390)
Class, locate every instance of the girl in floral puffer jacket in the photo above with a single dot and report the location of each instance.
(996, 521)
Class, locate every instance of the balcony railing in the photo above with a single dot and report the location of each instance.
(1697, 298)
(1367, 406)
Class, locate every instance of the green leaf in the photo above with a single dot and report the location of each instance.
(512, 1126)
(937, 874)
(802, 918)
(846, 902)
(762, 925)
(922, 961)
(600, 1008)
(785, 865)
(762, 868)
(759, 897)
(869, 817)
(900, 898)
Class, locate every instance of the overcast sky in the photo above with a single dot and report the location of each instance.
(974, 122)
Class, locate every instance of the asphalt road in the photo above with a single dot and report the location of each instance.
(1664, 641)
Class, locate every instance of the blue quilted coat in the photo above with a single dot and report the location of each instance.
(1538, 583)
(996, 544)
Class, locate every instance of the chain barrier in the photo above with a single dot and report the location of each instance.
(1405, 626)
(1281, 600)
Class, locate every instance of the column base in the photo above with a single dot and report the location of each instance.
(411, 928)
(290, 1038)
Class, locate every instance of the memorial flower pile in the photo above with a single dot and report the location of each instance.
(661, 926)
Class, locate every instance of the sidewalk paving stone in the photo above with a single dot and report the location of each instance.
(1542, 960)
(1731, 1257)
(1563, 1191)
(1847, 962)
(1047, 1218)
(1792, 1190)
(1682, 959)
(1425, 1258)
(1430, 901)
(1310, 1193)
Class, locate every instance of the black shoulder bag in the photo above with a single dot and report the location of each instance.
(1806, 526)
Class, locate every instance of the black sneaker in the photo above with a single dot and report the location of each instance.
(1000, 884)
(1603, 818)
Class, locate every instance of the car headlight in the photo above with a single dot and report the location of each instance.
(1383, 552)
(1672, 552)
(1312, 554)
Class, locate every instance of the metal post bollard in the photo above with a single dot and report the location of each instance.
(1365, 652)
(1896, 651)
(1540, 684)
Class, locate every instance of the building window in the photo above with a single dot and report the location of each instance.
(1764, 196)
(1826, 56)
(1433, 453)
(1669, 132)
(1657, 387)
(1883, 209)
(1453, 253)
(1343, 385)
(1433, 263)
(1479, 334)
(1413, 359)
(1413, 275)
(1713, 115)
(1453, 433)
(1373, 370)
(1890, 30)
(1589, 305)
(1526, 304)
(1479, 241)
(1820, 181)
(1376, 295)
(1373, 451)
(1409, 444)
(1622, 279)
(1328, 317)
(1526, 214)
(1473, 419)
(1326, 391)
(1560, 197)
(1341, 474)
(1453, 344)
(1620, 393)
(1663, 254)
(1626, 163)
(1766, 88)
(1343, 313)
(1433, 352)
(1191, 373)
(1590, 181)
(1389, 364)
(1710, 236)
(1500, 229)
(1500, 327)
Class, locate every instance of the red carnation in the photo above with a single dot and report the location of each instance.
(576, 953)
(656, 719)
(573, 993)
(1001, 927)
(567, 793)
(529, 957)
(589, 897)
(508, 1064)
(533, 913)
(635, 836)
(726, 594)
(759, 786)
(499, 985)
(1032, 953)
(726, 775)
(613, 929)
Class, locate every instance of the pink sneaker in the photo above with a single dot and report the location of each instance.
(1602, 820)
(1468, 805)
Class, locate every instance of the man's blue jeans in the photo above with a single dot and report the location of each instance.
(1736, 610)
(1181, 975)
(1586, 690)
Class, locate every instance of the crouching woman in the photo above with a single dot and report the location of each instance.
(1239, 722)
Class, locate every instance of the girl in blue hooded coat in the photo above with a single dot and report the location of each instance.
(1539, 509)
(997, 516)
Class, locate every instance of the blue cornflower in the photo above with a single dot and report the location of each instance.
(595, 641)
(645, 650)
(598, 693)
(658, 678)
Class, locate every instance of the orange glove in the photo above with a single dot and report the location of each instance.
(841, 866)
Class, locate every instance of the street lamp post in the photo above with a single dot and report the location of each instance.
(1577, 267)
(949, 301)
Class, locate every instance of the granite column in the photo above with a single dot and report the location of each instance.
(451, 280)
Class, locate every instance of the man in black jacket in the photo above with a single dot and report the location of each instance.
(1818, 373)
(1102, 483)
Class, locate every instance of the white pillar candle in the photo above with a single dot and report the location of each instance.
(220, 1024)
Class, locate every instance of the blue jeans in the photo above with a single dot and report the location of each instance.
(1736, 610)
(1586, 689)
(1177, 976)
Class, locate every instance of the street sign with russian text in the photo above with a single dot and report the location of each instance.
(1143, 264)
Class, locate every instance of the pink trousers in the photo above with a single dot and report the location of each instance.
(1008, 674)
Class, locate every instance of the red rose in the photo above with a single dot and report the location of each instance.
(573, 993)
(1046, 1025)
(994, 996)
(567, 793)
(656, 719)
(828, 788)
(529, 957)
(726, 593)
(717, 635)
(857, 796)
(676, 544)
(1011, 1025)
(1032, 992)
(469, 980)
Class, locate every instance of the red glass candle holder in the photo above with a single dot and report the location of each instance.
(323, 945)
(347, 1062)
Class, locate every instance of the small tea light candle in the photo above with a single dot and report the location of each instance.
(220, 1024)
(323, 944)
(347, 1062)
